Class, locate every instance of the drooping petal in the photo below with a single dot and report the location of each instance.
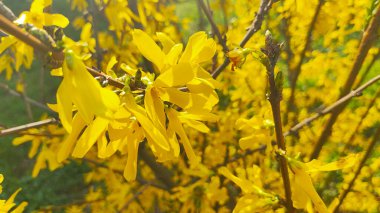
(178, 128)
(148, 48)
(64, 105)
(68, 144)
(89, 136)
(130, 169)
(157, 136)
(90, 98)
(6, 42)
(154, 108)
(303, 181)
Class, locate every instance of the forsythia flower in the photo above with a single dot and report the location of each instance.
(302, 185)
(85, 93)
(8, 205)
(254, 199)
(174, 73)
(38, 18)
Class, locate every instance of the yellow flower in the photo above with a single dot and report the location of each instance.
(78, 87)
(302, 185)
(176, 72)
(38, 18)
(8, 205)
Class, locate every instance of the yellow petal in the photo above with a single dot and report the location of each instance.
(68, 144)
(130, 169)
(20, 140)
(148, 48)
(6, 42)
(166, 42)
(56, 19)
(346, 162)
(172, 56)
(303, 181)
(173, 95)
(86, 93)
(252, 142)
(20, 208)
(10, 202)
(110, 64)
(195, 124)
(89, 136)
(178, 75)
(198, 49)
(64, 105)
(178, 128)
(200, 117)
(39, 5)
(155, 108)
(158, 137)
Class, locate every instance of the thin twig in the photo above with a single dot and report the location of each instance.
(332, 107)
(213, 25)
(5, 11)
(369, 36)
(17, 129)
(367, 154)
(17, 94)
(265, 5)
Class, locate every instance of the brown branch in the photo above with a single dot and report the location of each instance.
(213, 25)
(367, 154)
(265, 5)
(332, 107)
(29, 39)
(272, 50)
(369, 36)
(12, 29)
(294, 74)
(17, 129)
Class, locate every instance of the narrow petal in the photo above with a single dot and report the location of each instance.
(64, 105)
(130, 169)
(68, 144)
(159, 138)
(148, 48)
(89, 136)
(177, 126)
